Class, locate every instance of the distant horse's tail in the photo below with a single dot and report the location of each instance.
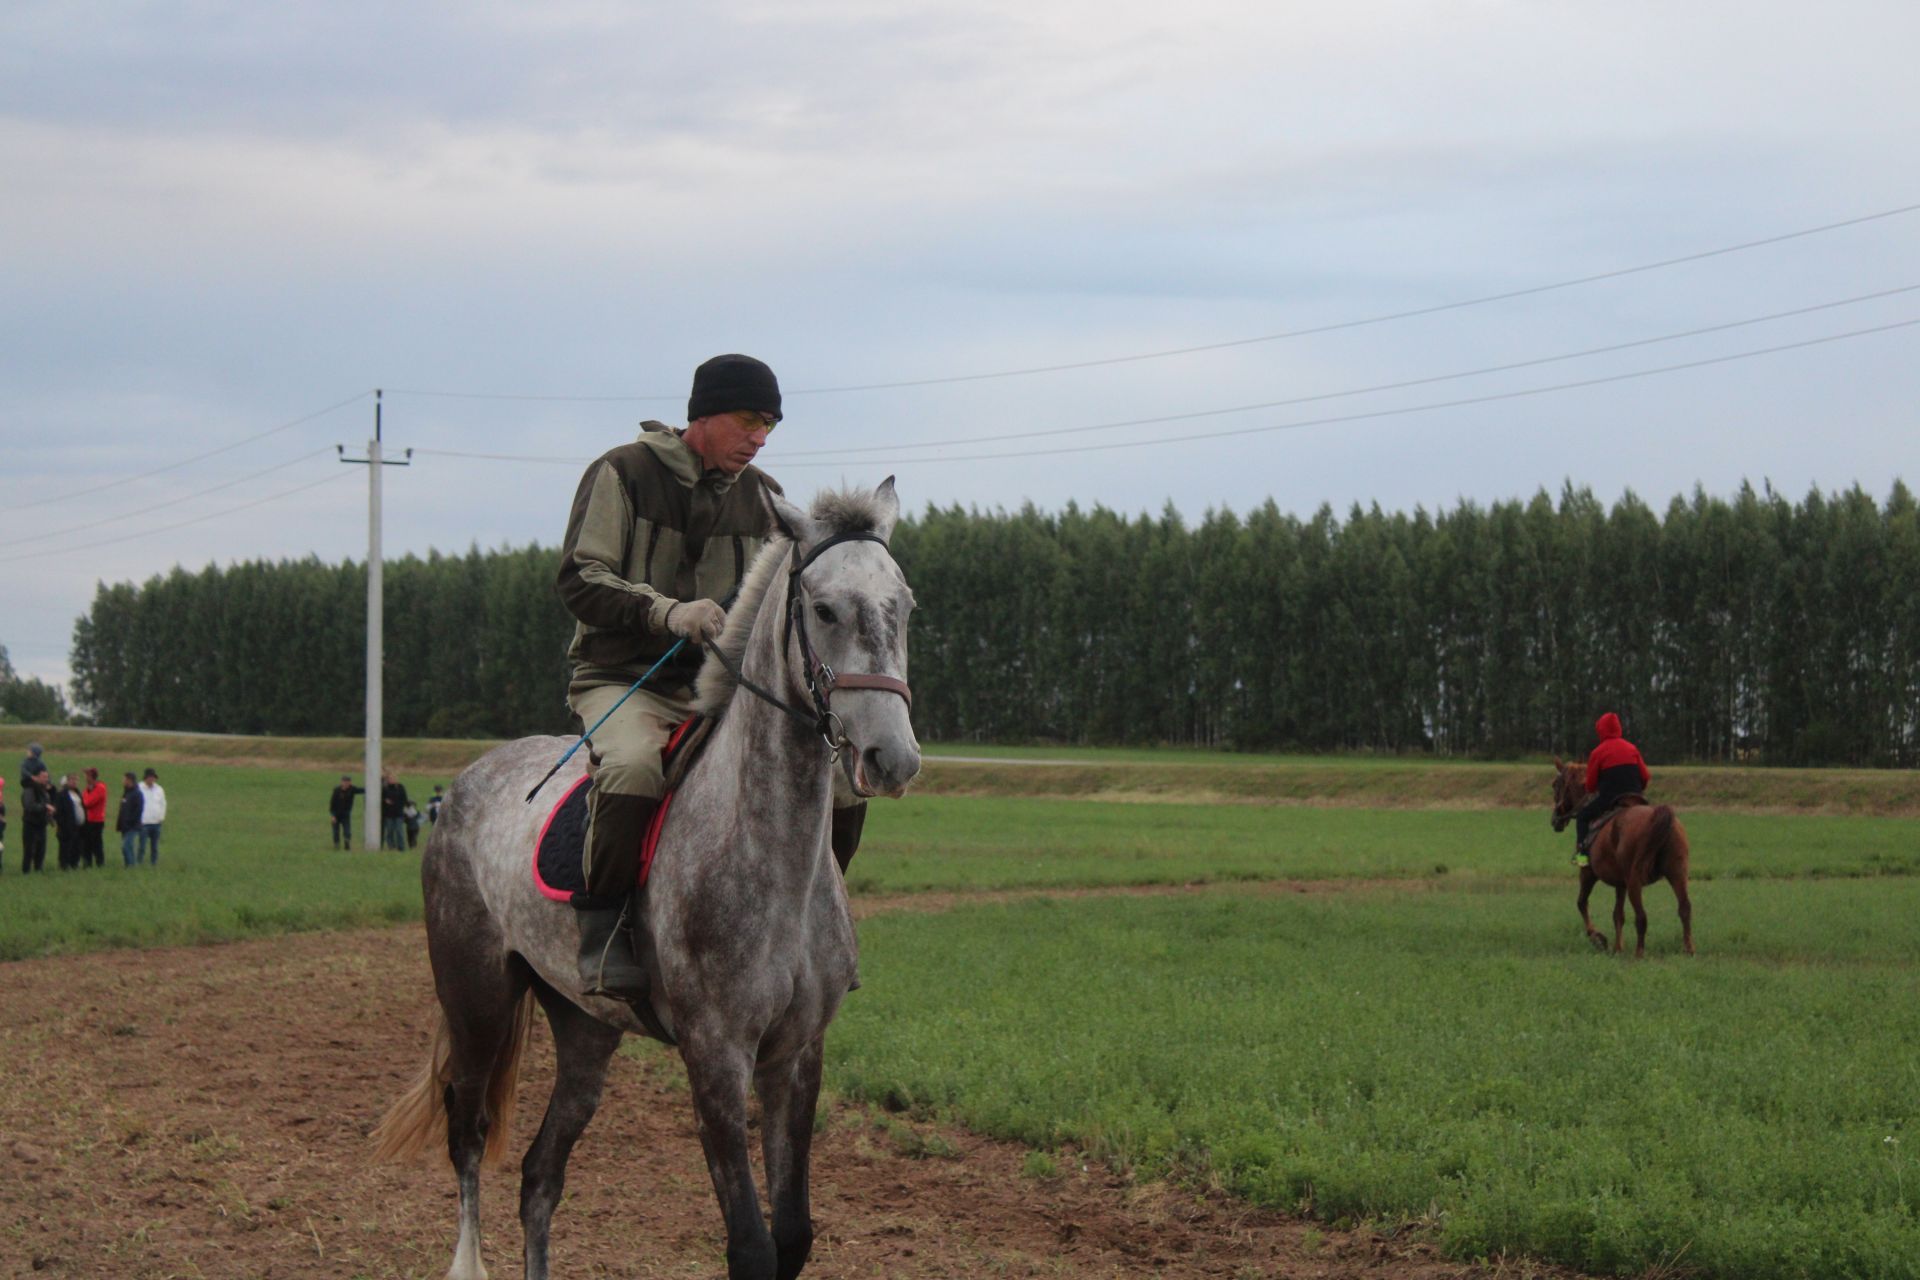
(418, 1120)
(1660, 839)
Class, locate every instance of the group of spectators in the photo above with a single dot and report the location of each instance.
(399, 816)
(75, 808)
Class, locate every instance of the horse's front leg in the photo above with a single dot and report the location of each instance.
(789, 1095)
(718, 1070)
(1587, 881)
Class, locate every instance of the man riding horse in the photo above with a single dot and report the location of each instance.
(661, 532)
(1614, 770)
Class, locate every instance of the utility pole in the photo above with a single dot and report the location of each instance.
(376, 618)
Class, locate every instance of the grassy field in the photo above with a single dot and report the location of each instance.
(1432, 1044)
(1455, 1059)
(244, 851)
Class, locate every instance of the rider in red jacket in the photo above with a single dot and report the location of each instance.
(1615, 769)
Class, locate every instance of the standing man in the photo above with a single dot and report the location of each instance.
(3, 824)
(153, 812)
(69, 817)
(36, 811)
(393, 807)
(93, 850)
(340, 809)
(661, 532)
(127, 820)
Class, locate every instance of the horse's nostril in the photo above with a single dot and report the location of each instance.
(871, 758)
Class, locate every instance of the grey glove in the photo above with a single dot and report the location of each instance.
(697, 620)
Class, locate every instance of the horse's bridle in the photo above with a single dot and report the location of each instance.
(821, 679)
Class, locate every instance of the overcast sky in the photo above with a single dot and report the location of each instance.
(219, 219)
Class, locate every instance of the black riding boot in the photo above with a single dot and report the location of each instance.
(846, 832)
(615, 833)
(607, 966)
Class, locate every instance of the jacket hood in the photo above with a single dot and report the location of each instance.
(1607, 726)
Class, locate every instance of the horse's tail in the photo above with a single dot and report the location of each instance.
(1660, 840)
(418, 1120)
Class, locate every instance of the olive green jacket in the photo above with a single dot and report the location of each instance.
(651, 526)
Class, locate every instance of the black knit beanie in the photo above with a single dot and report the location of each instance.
(726, 383)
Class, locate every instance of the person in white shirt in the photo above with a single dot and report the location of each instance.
(153, 811)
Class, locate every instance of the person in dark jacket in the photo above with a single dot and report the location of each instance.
(127, 820)
(69, 823)
(340, 809)
(3, 823)
(32, 764)
(1615, 769)
(393, 808)
(36, 811)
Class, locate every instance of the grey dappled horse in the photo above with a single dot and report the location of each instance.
(752, 942)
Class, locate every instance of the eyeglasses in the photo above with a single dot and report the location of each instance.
(751, 418)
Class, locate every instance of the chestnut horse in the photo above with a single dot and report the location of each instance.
(1641, 844)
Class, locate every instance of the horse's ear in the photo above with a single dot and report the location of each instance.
(1557, 764)
(888, 513)
(794, 523)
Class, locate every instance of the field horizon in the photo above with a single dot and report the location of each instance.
(1118, 774)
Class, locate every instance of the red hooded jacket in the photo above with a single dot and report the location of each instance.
(1613, 750)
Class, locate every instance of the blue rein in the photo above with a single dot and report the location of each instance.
(588, 735)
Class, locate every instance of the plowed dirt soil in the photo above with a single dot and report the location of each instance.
(203, 1112)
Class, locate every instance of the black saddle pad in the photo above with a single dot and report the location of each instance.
(556, 859)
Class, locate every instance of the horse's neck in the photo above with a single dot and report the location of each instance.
(761, 762)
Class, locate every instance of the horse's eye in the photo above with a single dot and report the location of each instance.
(823, 613)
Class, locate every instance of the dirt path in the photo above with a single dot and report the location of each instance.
(202, 1112)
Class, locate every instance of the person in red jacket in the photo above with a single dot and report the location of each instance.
(1615, 769)
(94, 799)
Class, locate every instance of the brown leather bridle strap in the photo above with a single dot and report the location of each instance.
(886, 684)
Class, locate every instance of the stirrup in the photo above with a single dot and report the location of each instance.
(613, 959)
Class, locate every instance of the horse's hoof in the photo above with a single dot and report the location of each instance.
(1599, 943)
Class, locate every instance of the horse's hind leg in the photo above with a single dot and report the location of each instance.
(485, 1035)
(1639, 920)
(1619, 918)
(788, 1098)
(1679, 882)
(582, 1046)
(718, 1069)
(481, 986)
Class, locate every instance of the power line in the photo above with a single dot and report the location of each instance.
(1390, 413)
(1336, 327)
(168, 528)
(1359, 391)
(173, 502)
(1751, 354)
(198, 457)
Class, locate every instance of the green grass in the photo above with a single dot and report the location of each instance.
(243, 852)
(1454, 1057)
(958, 843)
(246, 851)
(1457, 1057)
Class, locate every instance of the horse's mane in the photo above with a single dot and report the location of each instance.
(837, 511)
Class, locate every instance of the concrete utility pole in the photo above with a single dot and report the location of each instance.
(376, 619)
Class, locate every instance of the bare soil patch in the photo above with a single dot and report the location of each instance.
(202, 1112)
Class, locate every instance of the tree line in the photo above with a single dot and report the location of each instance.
(25, 700)
(1750, 628)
